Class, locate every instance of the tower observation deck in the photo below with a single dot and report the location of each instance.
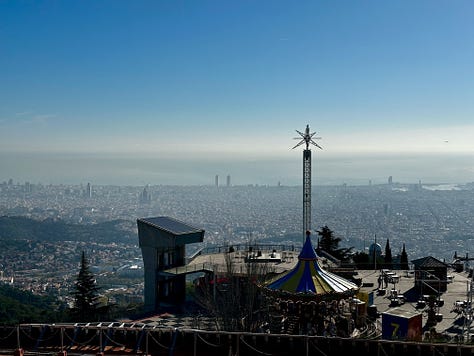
(162, 241)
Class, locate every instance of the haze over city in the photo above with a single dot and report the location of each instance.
(155, 92)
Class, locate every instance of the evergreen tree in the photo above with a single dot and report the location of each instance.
(329, 243)
(361, 260)
(388, 255)
(404, 259)
(86, 294)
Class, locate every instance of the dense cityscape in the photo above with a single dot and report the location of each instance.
(431, 220)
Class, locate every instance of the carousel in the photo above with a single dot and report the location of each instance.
(308, 278)
(311, 300)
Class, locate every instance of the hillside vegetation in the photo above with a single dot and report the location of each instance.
(23, 228)
(18, 306)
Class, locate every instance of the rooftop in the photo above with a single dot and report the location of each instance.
(173, 226)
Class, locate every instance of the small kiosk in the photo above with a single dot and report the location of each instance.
(401, 324)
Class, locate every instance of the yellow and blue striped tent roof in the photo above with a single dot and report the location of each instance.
(308, 277)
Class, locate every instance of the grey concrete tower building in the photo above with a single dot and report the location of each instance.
(163, 243)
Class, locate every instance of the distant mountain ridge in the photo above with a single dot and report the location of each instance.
(23, 228)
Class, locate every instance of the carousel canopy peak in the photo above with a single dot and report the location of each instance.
(308, 252)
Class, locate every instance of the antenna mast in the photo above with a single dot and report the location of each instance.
(307, 138)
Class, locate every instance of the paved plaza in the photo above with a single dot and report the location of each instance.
(452, 323)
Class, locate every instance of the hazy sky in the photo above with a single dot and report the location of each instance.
(178, 91)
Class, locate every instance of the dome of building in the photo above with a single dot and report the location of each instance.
(374, 250)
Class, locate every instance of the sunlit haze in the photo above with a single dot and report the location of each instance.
(175, 92)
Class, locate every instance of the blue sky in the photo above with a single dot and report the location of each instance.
(224, 85)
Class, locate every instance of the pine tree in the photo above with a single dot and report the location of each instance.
(388, 255)
(86, 294)
(329, 243)
(404, 259)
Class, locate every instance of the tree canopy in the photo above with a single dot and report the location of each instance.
(330, 244)
(404, 259)
(19, 306)
(388, 255)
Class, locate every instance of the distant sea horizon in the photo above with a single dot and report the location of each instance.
(138, 170)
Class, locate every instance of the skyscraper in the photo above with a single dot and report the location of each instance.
(228, 180)
(88, 191)
(144, 197)
(217, 180)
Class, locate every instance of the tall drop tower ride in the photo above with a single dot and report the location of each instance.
(307, 138)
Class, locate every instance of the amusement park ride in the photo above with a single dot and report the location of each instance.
(306, 138)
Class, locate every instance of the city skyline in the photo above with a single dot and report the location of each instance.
(166, 92)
